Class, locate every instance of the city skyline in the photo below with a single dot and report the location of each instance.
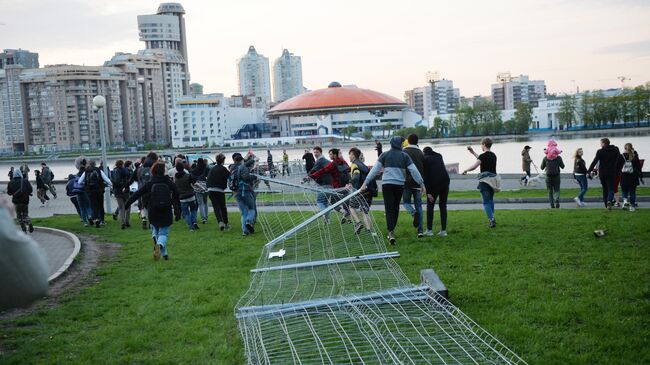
(569, 44)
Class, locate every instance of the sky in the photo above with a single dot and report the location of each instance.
(387, 46)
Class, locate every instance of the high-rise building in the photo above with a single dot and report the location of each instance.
(287, 77)
(196, 89)
(144, 114)
(253, 74)
(165, 38)
(57, 106)
(438, 98)
(12, 62)
(511, 91)
(21, 57)
(420, 99)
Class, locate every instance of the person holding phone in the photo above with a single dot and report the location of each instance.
(488, 179)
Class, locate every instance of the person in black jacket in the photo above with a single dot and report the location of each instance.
(217, 183)
(309, 160)
(41, 189)
(580, 174)
(200, 173)
(552, 169)
(631, 175)
(609, 159)
(411, 188)
(186, 196)
(95, 181)
(20, 190)
(436, 181)
(69, 191)
(162, 202)
(121, 178)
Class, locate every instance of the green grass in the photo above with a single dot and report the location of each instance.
(541, 283)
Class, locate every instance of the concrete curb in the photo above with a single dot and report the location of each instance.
(73, 255)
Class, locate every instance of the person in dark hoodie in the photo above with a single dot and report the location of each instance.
(339, 173)
(411, 188)
(72, 194)
(362, 203)
(436, 180)
(186, 196)
(200, 173)
(95, 182)
(20, 189)
(217, 183)
(41, 189)
(143, 176)
(121, 179)
(631, 175)
(324, 181)
(242, 186)
(609, 161)
(162, 207)
(395, 162)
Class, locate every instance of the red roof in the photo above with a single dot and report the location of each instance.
(336, 97)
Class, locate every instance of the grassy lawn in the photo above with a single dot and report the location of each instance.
(541, 283)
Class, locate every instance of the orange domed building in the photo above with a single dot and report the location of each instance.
(329, 111)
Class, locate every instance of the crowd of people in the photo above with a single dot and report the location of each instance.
(165, 192)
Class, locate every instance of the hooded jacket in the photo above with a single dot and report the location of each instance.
(20, 189)
(218, 178)
(325, 180)
(610, 161)
(158, 217)
(436, 177)
(525, 160)
(395, 163)
(417, 157)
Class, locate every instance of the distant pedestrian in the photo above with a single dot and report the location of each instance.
(580, 174)
(609, 161)
(339, 173)
(395, 162)
(121, 180)
(20, 189)
(217, 182)
(436, 180)
(162, 203)
(525, 165)
(241, 184)
(631, 175)
(378, 148)
(324, 181)
(184, 181)
(48, 178)
(95, 182)
(309, 160)
(200, 173)
(11, 173)
(411, 187)
(551, 167)
(269, 164)
(358, 174)
(80, 191)
(70, 192)
(285, 163)
(41, 189)
(488, 180)
(144, 175)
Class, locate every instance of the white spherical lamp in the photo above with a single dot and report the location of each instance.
(99, 101)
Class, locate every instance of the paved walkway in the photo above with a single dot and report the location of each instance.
(57, 248)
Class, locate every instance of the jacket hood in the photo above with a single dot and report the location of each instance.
(396, 142)
(71, 176)
(17, 174)
(551, 143)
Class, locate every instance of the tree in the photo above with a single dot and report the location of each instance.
(640, 103)
(567, 113)
(523, 117)
(367, 135)
(347, 131)
(389, 128)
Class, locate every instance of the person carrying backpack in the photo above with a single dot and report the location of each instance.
(121, 178)
(436, 180)
(95, 181)
(183, 182)
(80, 191)
(358, 173)
(200, 174)
(41, 189)
(144, 175)
(241, 184)
(217, 183)
(339, 173)
(551, 167)
(69, 191)
(20, 189)
(631, 175)
(163, 207)
(48, 178)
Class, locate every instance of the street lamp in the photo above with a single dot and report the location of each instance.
(99, 102)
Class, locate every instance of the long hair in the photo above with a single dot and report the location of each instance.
(630, 151)
(576, 155)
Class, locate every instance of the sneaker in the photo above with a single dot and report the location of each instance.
(128, 225)
(625, 203)
(123, 226)
(492, 224)
(582, 204)
(577, 200)
(391, 238)
(97, 224)
(632, 209)
(345, 220)
(115, 216)
(416, 219)
(227, 227)
(557, 204)
(204, 221)
(156, 252)
(23, 227)
(31, 227)
(195, 226)
(222, 226)
(166, 257)
(144, 224)
(617, 204)
(420, 234)
(609, 205)
(245, 234)
(86, 224)
(358, 227)
(102, 223)
(428, 233)
(250, 227)
(442, 233)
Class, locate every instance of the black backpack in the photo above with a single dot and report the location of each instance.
(93, 180)
(233, 179)
(145, 175)
(344, 174)
(161, 196)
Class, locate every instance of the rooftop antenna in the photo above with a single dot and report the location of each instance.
(622, 79)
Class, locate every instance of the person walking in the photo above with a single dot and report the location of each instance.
(20, 190)
(41, 189)
(395, 162)
(285, 163)
(488, 180)
(609, 161)
(143, 175)
(308, 157)
(48, 179)
(358, 174)
(162, 203)
(339, 171)
(95, 181)
(551, 167)
(411, 187)
(241, 184)
(200, 173)
(11, 172)
(269, 164)
(70, 192)
(121, 180)
(183, 182)
(525, 165)
(630, 177)
(217, 182)
(80, 191)
(325, 181)
(436, 180)
(580, 174)
(379, 148)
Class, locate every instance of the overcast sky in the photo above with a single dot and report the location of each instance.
(387, 46)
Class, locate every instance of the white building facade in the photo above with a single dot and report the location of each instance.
(287, 77)
(253, 75)
(520, 89)
(207, 120)
(429, 101)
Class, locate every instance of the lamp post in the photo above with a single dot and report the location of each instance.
(99, 102)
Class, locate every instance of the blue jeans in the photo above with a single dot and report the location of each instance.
(629, 192)
(84, 207)
(322, 202)
(487, 194)
(202, 201)
(584, 185)
(246, 203)
(161, 234)
(188, 210)
(417, 200)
